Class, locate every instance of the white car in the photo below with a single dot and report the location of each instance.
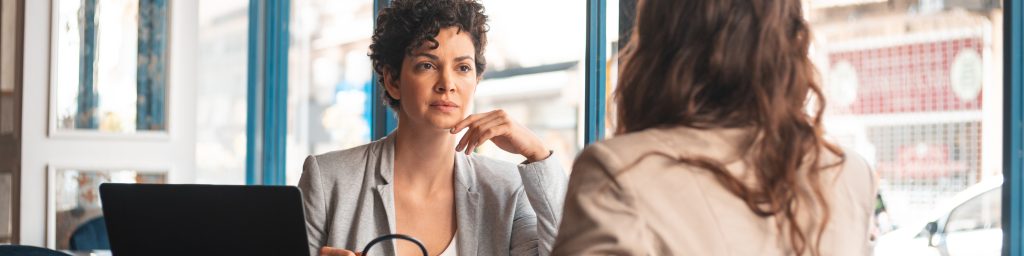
(970, 225)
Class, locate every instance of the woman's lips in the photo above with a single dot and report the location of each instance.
(444, 106)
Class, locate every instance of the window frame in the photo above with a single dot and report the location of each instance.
(1013, 142)
(267, 99)
(382, 118)
(596, 71)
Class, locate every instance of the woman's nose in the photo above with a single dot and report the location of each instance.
(443, 88)
(444, 85)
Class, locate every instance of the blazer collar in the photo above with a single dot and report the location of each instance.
(723, 144)
(386, 164)
(465, 177)
(467, 206)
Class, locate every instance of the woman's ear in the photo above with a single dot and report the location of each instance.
(391, 84)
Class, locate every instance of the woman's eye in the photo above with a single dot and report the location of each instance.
(426, 66)
(465, 68)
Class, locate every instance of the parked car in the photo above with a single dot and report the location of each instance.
(970, 225)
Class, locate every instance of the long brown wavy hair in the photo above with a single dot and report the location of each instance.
(730, 64)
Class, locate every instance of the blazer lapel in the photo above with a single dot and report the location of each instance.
(386, 198)
(385, 190)
(467, 205)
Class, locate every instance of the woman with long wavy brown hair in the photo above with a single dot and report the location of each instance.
(719, 147)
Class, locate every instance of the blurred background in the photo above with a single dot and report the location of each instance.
(155, 91)
(915, 87)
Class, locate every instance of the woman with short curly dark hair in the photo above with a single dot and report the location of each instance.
(428, 55)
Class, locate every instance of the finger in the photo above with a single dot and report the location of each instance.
(471, 132)
(487, 131)
(466, 122)
(491, 134)
(475, 129)
(474, 118)
(490, 122)
(330, 251)
(465, 139)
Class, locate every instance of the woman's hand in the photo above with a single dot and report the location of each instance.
(503, 131)
(331, 251)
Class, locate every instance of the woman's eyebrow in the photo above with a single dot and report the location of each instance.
(435, 58)
(427, 55)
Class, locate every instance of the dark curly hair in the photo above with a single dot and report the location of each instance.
(406, 25)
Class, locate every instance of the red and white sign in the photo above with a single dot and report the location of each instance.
(934, 76)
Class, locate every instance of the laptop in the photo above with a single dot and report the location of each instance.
(155, 219)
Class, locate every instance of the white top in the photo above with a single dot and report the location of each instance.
(453, 247)
(451, 250)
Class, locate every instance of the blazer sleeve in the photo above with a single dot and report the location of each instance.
(315, 204)
(538, 207)
(863, 185)
(600, 215)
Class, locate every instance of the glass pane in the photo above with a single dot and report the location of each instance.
(100, 65)
(982, 212)
(915, 87)
(616, 40)
(6, 205)
(76, 200)
(328, 79)
(6, 113)
(222, 91)
(8, 30)
(539, 83)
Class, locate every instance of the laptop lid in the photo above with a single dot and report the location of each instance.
(161, 219)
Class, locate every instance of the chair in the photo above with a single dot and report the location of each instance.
(91, 235)
(24, 250)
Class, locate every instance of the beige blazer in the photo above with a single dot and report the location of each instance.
(628, 196)
(501, 208)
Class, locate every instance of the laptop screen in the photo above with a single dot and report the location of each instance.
(162, 219)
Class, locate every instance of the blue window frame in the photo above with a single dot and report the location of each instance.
(382, 119)
(1013, 129)
(267, 107)
(595, 70)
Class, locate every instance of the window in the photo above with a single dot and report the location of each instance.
(329, 79)
(97, 55)
(535, 72)
(619, 24)
(221, 92)
(914, 87)
(6, 206)
(10, 117)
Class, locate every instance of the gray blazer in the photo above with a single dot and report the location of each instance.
(501, 208)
